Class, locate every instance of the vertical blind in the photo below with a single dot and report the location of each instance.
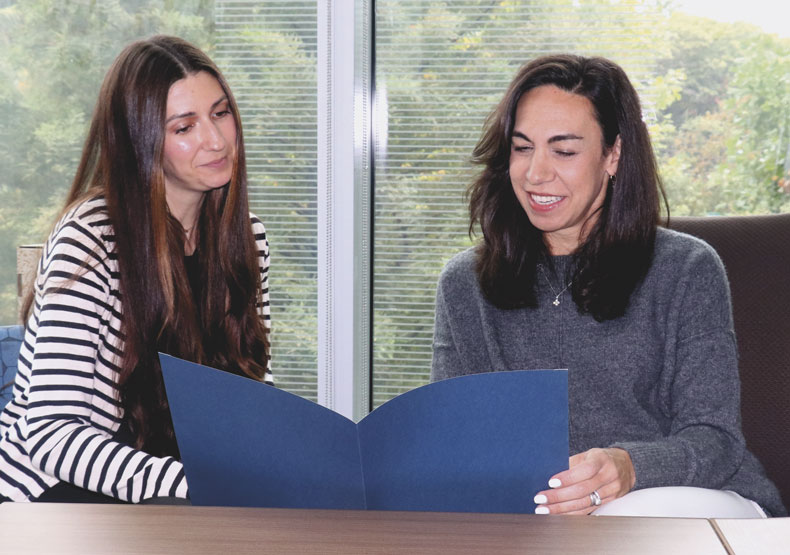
(267, 51)
(441, 66)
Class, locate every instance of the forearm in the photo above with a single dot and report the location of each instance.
(78, 453)
(702, 457)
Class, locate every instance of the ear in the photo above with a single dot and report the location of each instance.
(613, 157)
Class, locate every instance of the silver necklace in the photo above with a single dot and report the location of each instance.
(556, 301)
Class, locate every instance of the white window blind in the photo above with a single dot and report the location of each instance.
(267, 51)
(440, 68)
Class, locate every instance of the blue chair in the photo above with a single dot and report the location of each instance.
(10, 343)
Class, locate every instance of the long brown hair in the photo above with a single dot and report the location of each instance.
(122, 160)
(617, 252)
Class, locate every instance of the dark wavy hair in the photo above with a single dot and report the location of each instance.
(122, 160)
(617, 250)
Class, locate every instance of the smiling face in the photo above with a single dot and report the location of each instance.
(200, 142)
(558, 167)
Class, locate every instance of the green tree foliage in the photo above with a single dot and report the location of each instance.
(54, 56)
(715, 97)
(724, 139)
(442, 67)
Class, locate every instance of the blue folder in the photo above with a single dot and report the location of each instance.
(479, 443)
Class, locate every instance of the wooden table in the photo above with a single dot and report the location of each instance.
(754, 536)
(85, 529)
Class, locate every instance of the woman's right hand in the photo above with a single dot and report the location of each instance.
(608, 472)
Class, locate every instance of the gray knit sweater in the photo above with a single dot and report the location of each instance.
(660, 382)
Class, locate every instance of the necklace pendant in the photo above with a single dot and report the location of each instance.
(556, 301)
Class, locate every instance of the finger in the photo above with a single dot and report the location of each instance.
(567, 493)
(578, 472)
(579, 502)
(578, 513)
(589, 464)
(577, 506)
(578, 490)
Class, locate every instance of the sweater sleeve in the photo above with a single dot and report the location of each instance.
(72, 402)
(704, 445)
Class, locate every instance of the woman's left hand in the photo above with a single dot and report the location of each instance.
(609, 472)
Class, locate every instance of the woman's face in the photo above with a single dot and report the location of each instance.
(200, 140)
(558, 167)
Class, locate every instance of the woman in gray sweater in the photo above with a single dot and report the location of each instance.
(574, 272)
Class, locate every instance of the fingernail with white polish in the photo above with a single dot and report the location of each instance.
(541, 510)
(554, 483)
(540, 499)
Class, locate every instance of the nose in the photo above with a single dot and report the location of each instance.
(539, 169)
(213, 138)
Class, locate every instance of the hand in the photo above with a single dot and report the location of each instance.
(610, 472)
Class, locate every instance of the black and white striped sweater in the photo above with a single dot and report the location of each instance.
(65, 410)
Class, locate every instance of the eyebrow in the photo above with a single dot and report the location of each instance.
(190, 114)
(554, 139)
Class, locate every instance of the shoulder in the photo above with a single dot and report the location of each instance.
(259, 232)
(88, 218)
(688, 274)
(257, 227)
(460, 264)
(79, 256)
(261, 243)
(83, 232)
(459, 273)
(676, 251)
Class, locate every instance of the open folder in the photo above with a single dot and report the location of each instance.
(479, 443)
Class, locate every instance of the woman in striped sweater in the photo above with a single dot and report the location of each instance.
(155, 251)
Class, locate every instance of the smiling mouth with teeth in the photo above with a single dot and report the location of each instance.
(545, 199)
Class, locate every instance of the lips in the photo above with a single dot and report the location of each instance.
(218, 163)
(544, 202)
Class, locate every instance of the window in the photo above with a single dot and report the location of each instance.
(440, 69)
(54, 56)
(359, 119)
(267, 52)
(716, 97)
